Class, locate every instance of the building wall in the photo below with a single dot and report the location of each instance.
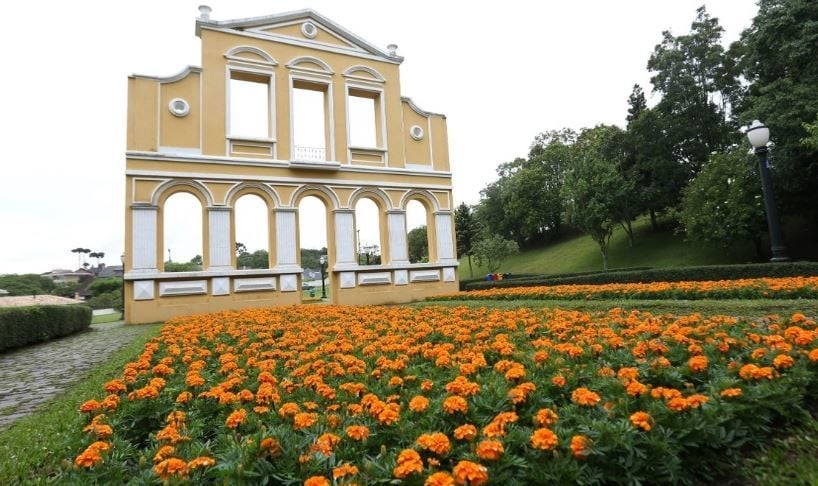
(178, 141)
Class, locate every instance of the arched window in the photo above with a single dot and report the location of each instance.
(417, 236)
(252, 232)
(312, 242)
(182, 230)
(368, 232)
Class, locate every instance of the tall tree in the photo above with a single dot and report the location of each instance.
(777, 55)
(594, 186)
(493, 250)
(418, 245)
(690, 76)
(636, 104)
(723, 205)
(467, 230)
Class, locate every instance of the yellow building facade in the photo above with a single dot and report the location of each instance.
(183, 137)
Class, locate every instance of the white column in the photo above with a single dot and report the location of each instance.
(344, 238)
(219, 237)
(143, 238)
(285, 240)
(445, 238)
(397, 237)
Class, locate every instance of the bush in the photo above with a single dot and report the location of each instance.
(25, 325)
(670, 274)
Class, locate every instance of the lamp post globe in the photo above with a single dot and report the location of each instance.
(759, 136)
(323, 261)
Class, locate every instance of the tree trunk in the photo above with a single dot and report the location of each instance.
(653, 223)
(628, 231)
(604, 258)
(471, 270)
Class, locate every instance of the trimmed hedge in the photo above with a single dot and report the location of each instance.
(670, 274)
(25, 325)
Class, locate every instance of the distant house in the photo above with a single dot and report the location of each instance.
(3, 292)
(104, 271)
(62, 276)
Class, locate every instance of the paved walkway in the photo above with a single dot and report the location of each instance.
(32, 375)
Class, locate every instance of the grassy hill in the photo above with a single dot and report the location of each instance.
(661, 248)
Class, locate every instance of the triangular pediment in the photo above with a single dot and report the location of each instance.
(303, 26)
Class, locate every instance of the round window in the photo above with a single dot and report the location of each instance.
(416, 132)
(179, 107)
(309, 30)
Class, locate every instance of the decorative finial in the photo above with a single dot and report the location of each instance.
(393, 50)
(204, 12)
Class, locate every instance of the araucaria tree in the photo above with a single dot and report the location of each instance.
(594, 186)
(467, 230)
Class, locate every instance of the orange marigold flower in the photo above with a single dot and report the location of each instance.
(184, 397)
(270, 446)
(201, 461)
(455, 404)
(490, 450)
(436, 442)
(783, 361)
(317, 481)
(418, 403)
(585, 397)
(390, 414)
(439, 479)
(731, 392)
(103, 431)
(558, 381)
(465, 432)
(344, 470)
(357, 432)
(694, 401)
(427, 385)
(288, 409)
(579, 446)
(641, 420)
(408, 462)
(304, 420)
(544, 439)
(163, 453)
(753, 372)
(91, 455)
(236, 418)
(162, 370)
(90, 406)
(635, 388)
(171, 467)
(116, 386)
(698, 363)
(813, 355)
(471, 473)
(546, 417)
(678, 404)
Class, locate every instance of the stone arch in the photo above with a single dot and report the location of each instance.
(376, 76)
(296, 63)
(171, 187)
(264, 191)
(327, 196)
(376, 194)
(234, 53)
(426, 198)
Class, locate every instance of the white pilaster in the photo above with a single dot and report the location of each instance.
(397, 237)
(143, 235)
(286, 246)
(445, 238)
(344, 238)
(219, 237)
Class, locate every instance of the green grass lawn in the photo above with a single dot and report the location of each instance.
(650, 249)
(37, 447)
(115, 317)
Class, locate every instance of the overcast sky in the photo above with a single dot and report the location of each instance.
(502, 72)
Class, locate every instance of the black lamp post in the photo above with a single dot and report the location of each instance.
(122, 259)
(759, 135)
(323, 261)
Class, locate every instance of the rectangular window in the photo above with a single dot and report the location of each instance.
(310, 121)
(364, 118)
(250, 105)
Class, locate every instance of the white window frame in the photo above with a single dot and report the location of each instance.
(258, 69)
(311, 76)
(382, 144)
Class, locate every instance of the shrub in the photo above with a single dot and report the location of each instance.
(25, 325)
(670, 274)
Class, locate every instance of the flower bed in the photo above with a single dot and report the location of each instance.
(751, 288)
(323, 395)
